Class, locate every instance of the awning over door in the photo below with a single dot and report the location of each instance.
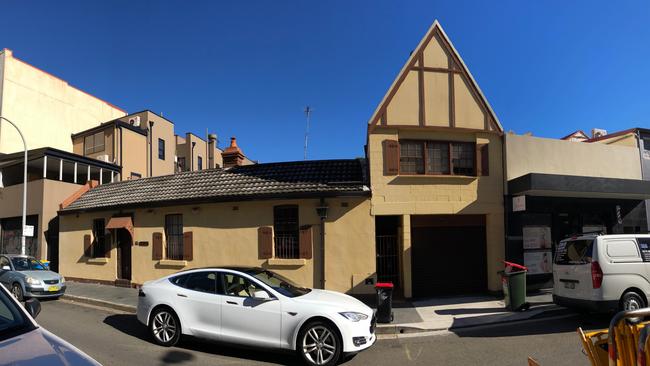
(121, 223)
(556, 185)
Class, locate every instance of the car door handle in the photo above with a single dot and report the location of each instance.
(231, 302)
(181, 295)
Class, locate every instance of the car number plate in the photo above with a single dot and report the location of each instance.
(53, 289)
(570, 285)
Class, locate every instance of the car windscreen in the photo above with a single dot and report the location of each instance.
(27, 264)
(280, 284)
(574, 251)
(12, 319)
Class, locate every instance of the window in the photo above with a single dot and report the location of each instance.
(235, 285)
(94, 143)
(280, 284)
(27, 264)
(286, 229)
(161, 149)
(574, 252)
(202, 281)
(98, 248)
(12, 319)
(181, 164)
(437, 158)
(412, 158)
(4, 262)
(199, 162)
(135, 175)
(174, 236)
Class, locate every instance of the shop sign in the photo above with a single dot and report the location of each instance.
(537, 237)
(28, 231)
(538, 262)
(518, 203)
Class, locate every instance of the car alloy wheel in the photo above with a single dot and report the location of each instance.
(17, 291)
(165, 328)
(319, 345)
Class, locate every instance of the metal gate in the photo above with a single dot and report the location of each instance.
(387, 259)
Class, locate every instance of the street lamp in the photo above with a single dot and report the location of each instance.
(22, 232)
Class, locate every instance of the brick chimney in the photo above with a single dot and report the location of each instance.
(232, 156)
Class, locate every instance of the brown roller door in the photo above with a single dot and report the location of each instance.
(449, 259)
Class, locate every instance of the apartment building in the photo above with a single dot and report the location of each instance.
(46, 108)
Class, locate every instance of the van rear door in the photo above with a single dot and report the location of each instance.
(572, 268)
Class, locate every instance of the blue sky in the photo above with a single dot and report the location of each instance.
(248, 68)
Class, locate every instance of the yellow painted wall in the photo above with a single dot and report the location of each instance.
(223, 236)
(404, 107)
(468, 113)
(46, 109)
(434, 55)
(436, 195)
(528, 154)
(135, 150)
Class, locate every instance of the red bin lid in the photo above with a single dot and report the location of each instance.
(384, 285)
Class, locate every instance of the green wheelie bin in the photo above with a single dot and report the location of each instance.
(513, 280)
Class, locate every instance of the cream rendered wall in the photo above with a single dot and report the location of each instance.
(527, 154)
(224, 236)
(436, 195)
(46, 109)
(404, 107)
(135, 152)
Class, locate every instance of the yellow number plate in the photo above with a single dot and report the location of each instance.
(53, 288)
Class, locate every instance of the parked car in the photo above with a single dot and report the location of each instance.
(602, 272)
(24, 343)
(27, 277)
(256, 307)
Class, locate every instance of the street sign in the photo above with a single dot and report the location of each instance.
(518, 203)
(28, 231)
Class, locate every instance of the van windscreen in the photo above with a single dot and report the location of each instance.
(574, 252)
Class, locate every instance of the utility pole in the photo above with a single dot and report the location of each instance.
(308, 111)
(22, 236)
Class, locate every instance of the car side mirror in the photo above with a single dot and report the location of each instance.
(261, 295)
(33, 307)
(6, 268)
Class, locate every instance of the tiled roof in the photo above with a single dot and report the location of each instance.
(318, 178)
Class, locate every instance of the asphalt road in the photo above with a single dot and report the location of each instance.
(118, 339)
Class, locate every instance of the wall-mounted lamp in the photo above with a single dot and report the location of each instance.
(321, 210)
(195, 210)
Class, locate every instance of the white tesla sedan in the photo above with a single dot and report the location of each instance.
(256, 307)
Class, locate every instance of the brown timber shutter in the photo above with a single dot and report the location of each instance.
(265, 242)
(188, 246)
(391, 157)
(87, 244)
(156, 246)
(484, 159)
(306, 242)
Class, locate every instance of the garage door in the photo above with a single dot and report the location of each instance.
(448, 260)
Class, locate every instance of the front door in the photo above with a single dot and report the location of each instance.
(123, 255)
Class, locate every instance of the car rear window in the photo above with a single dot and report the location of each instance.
(574, 252)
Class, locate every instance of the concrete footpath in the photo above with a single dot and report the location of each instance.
(410, 317)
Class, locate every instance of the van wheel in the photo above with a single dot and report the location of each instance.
(632, 301)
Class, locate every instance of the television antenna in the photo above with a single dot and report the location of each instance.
(308, 112)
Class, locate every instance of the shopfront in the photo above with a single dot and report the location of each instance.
(543, 209)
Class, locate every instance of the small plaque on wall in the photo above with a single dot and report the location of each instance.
(143, 243)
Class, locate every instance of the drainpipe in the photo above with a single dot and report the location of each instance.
(121, 155)
(321, 211)
(150, 148)
(192, 156)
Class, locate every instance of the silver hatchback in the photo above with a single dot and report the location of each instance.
(27, 277)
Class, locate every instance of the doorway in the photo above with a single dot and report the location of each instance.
(123, 254)
(387, 249)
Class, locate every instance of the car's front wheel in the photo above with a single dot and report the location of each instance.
(17, 291)
(165, 327)
(319, 344)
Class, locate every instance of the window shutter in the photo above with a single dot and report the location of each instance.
(156, 247)
(482, 151)
(87, 243)
(265, 242)
(391, 157)
(188, 249)
(107, 244)
(306, 242)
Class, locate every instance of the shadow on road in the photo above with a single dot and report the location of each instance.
(540, 327)
(129, 325)
(459, 311)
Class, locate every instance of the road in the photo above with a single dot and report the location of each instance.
(118, 339)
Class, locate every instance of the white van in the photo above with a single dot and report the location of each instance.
(602, 272)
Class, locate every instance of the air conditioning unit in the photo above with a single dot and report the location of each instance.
(104, 158)
(598, 132)
(135, 121)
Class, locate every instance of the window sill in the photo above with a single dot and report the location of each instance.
(97, 260)
(172, 263)
(287, 262)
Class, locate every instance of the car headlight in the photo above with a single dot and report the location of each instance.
(354, 316)
(62, 280)
(32, 281)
